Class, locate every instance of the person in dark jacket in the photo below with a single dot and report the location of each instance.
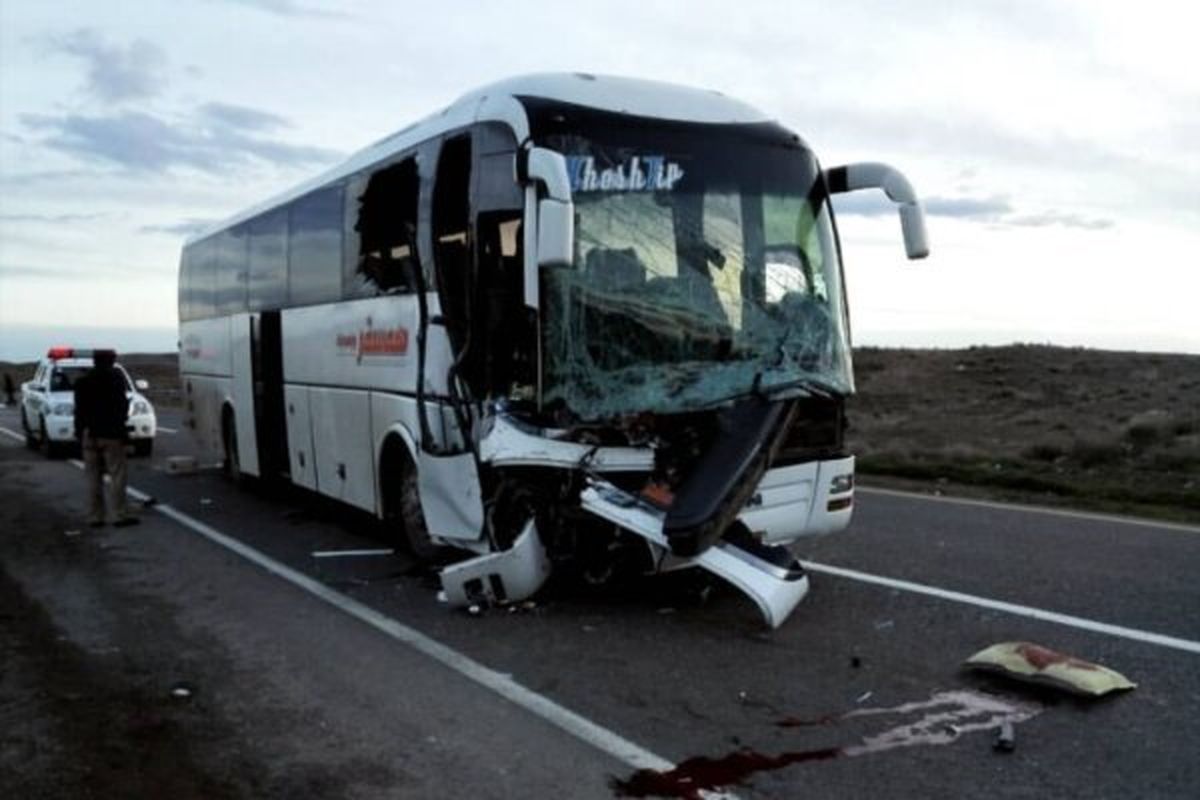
(9, 389)
(101, 409)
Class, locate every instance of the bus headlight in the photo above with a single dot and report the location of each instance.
(841, 484)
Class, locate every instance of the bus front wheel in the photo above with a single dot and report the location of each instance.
(402, 506)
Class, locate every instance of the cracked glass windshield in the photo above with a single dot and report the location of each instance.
(705, 269)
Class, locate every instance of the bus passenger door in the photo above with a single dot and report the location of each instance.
(241, 345)
(270, 414)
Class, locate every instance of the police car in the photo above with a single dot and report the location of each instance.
(48, 404)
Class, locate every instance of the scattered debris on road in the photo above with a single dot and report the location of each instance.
(352, 553)
(182, 691)
(181, 465)
(1006, 740)
(1033, 663)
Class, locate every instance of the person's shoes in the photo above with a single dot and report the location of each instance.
(125, 522)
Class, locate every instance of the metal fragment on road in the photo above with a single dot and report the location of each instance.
(181, 465)
(1005, 738)
(352, 553)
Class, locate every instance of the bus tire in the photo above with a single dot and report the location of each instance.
(416, 533)
(402, 505)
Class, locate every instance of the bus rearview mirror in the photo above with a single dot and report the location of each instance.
(551, 236)
(555, 233)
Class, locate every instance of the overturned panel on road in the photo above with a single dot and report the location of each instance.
(1036, 664)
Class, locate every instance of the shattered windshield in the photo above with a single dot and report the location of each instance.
(705, 269)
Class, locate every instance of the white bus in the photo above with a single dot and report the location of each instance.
(568, 320)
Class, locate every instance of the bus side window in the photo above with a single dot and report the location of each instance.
(387, 258)
(315, 247)
(266, 286)
(228, 255)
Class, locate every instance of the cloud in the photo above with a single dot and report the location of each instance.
(27, 271)
(116, 73)
(52, 219)
(143, 142)
(1065, 219)
(242, 117)
(184, 227)
(875, 204)
(288, 8)
(996, 211)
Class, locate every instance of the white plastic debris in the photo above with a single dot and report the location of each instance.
(1033, 663)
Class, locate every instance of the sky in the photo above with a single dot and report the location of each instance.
(1055, 144)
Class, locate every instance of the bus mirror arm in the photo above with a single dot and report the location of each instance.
(873, 175)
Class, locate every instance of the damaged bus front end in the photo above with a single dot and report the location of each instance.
(685, 324)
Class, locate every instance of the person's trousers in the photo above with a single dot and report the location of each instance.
(100, 456)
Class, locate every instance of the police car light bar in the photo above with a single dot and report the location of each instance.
(55, 353)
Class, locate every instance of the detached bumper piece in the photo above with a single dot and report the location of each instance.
(509, 576)
(727, 474)
(770, 575)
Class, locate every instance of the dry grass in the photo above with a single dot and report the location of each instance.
(1117, 431)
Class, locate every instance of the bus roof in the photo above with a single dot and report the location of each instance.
(500, 102)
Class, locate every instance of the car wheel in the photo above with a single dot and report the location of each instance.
(143, 447)
(30, 441)
(53, 448)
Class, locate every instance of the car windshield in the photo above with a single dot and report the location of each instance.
(62, 379)
(705, 269)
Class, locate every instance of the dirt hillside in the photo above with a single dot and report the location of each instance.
(1109, 430)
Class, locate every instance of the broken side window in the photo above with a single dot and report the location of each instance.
(387, 259)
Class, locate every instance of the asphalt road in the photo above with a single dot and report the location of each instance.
(387, 693)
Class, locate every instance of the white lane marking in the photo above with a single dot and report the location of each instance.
(12, 434)
(578, 726)
(1055, 512)
(1082, 623)
(165, 429)
(350, 553)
